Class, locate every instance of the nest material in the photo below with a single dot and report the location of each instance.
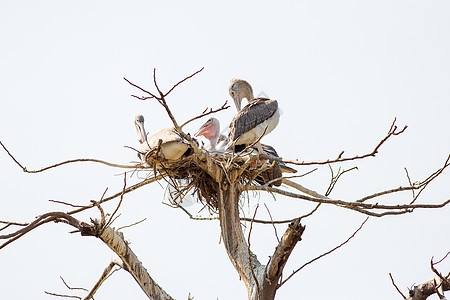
(203, 186)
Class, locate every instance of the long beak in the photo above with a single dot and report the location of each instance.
(142, 137)
(202, 131)
(237, 101)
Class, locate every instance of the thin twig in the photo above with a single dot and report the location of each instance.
(396, 287)
(311, 212)
(105, 275)
(334, 179)
(66, 203)
(439, 261)
(273, 224)
(392, 132)
(345, 204)
(120, 202)
(437, 273)
(205, 113)
(127, 190)
(67, 162)
(135, 223)
(72, 288)
(324, 254)
(183, 80)
(62, 295)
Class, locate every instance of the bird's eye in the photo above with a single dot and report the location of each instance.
(232, 93)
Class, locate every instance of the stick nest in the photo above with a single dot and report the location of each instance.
(187, 176)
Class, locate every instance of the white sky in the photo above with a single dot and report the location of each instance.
(341, 70)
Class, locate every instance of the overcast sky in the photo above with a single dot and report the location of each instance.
(341, 71)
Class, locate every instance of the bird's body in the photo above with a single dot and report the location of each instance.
(172, 147)
(211, 131)
(257, 119)
(167, 143)
(283, 167)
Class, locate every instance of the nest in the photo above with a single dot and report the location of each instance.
(187, 176)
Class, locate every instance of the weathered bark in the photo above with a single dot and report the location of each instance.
(131, 263)
(426, 289)
(261, 281)
(281, 255)
(234, 241)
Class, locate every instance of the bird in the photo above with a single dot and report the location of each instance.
(255, 120)
(167, 144)
(211, 131)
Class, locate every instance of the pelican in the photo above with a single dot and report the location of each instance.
(257, 119)
(167, 143)
(211, 131)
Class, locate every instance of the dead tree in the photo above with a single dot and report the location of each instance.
(218, 182)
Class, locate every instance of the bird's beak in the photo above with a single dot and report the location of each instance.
(237, 101)
(142, 137)
(202, 131)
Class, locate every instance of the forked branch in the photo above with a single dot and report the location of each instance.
(69, 162)
(112, 238)
(393, 131)
(162, 100)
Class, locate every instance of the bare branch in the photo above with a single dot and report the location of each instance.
(111, 219)
(66, 203)
(45, 218)
(303, 189)
(71, 288)
(135, 223)
(291, 237)
(138, 87)
(62, 295)
(205, 113)
(324, 254)
(396, 287)
(439, 261)
(127, 190)
(415, 186)
(346, 204)
(335, 178)
(8, 223)
(105, 275)
(68, 162)
(424, 290)
(183, 80)
(442, 278)
(113, 239)
(311, 212)
(392, 132)
(271, 220)
(161, 99)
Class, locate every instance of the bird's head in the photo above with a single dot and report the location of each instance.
(139, 123)
(210, 129)
(238, 90)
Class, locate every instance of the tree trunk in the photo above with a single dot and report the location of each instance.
(243, 260)
(261, 280)
(115, 242)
